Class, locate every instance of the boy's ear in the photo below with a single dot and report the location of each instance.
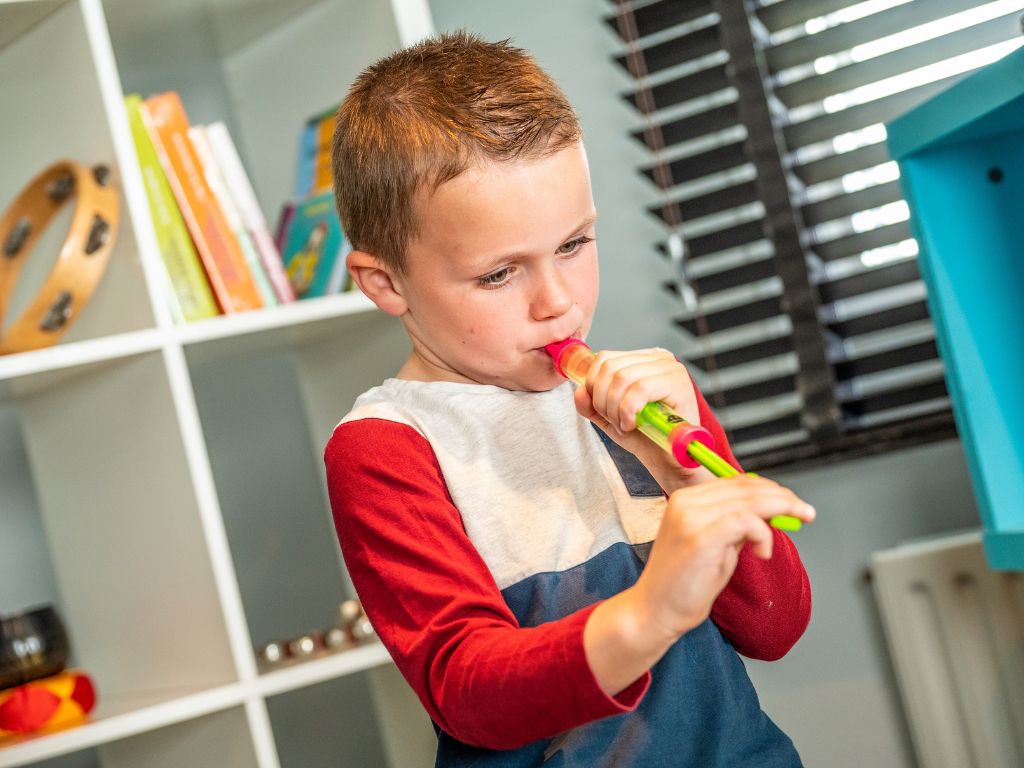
(376, 281)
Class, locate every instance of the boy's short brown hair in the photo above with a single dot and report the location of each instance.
(421, 116)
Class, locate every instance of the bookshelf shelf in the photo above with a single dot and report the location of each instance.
(294, 315)
(112, 721)
(163, 483)
(74, 354)
(318, 670)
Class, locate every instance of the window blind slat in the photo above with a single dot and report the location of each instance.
(659, 16)
(839, 165)
(679, 90)
(852, 202)
(792, 12)
(766, 429)
(690, 128)
(879, 68)
(862, 241)
(661, 56)
(763, 309)
(889, 400)
(880, 110)
(877, 321)
(697, 166)
(705, 205)
(883, 361)
(871, 280)
(741, 355)
(869, 28)
(730, 278)
(723, 239)
(752, 392)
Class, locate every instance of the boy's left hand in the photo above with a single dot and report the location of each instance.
(619, 384)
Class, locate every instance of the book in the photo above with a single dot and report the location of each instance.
(315, 249)
(284, 221)
(218, 186)
(233, 285)
(315, 170)
(249, 208)
(188, 286)
(307, 160)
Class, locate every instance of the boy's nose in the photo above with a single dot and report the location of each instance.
(551, 297)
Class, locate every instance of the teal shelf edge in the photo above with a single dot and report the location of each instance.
(961, 172)
(954, 114)
(1004, 549)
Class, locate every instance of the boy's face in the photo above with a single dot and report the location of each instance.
(504, 263)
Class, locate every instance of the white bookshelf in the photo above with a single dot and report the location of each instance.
(162, 485)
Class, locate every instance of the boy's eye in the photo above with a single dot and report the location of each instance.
(496, 279)
(573, 245)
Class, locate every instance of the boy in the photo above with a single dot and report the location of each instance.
(523, 567)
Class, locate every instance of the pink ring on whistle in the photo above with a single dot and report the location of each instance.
(680, 439)
(557, 348)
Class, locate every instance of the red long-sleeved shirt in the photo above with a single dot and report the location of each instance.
(436, 607)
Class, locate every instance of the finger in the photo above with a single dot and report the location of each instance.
(625, 384)
(655, 383)
(585, 408)
(740, 528)
(763, 498)
(601, 376)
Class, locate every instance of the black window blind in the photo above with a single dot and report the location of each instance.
(803, 316)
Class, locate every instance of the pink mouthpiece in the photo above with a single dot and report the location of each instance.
(556, 349)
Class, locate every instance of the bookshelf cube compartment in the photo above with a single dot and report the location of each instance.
(219, 739)
(120, 530)
(328, 724)
(29, 578)
(54, 110)
(962, 171)
(264, 427)
(216, 740)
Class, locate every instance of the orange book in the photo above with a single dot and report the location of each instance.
(233, 284)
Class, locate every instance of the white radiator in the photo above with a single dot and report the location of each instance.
(956, 633)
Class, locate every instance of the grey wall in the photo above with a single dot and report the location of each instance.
(835, 692)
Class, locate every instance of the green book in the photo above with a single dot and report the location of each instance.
(189, 286)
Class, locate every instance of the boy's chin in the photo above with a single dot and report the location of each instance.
(543, 381)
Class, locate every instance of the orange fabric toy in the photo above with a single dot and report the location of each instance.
(50, 702)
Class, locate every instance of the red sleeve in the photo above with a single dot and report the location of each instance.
(766, 606)
(435, 605)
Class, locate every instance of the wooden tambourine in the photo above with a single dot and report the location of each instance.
(80, 263)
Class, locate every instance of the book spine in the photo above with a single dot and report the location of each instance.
(222, 256)
(307, 160)
(249, 208)
(189, 288)
(284, 222)
(324, 172)
(215, 180)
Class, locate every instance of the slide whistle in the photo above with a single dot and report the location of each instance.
(691, 445)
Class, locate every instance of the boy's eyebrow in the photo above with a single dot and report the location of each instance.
(488, 262)
(590, 220)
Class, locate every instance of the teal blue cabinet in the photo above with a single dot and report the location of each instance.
(961, 158)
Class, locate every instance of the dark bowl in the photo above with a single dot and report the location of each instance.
(33, 645)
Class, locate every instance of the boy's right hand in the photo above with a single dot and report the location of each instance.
(692, 559)
(698, 545)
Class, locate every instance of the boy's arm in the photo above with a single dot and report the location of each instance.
(766, 606)
(435, 606)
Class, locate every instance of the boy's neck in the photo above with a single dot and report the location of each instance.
(416, 368)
